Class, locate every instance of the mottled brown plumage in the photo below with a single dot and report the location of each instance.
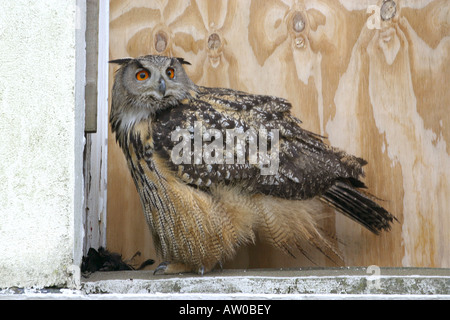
(200, 211)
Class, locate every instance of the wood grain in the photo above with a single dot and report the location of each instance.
(378, 89)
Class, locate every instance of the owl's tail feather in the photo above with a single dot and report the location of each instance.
(358, 205)
(294, 226)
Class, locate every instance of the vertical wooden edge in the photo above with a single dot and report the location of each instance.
(96, 149)
(92, 44)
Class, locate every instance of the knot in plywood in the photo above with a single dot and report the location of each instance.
(388, 10)
(298, 22)
(161, 41)
(214, 42)
(300, 42)
(214, 46)
(298, 28)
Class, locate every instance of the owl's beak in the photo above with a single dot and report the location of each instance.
(162, 86)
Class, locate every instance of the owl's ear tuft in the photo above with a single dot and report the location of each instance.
(182, 61)
(121, 61)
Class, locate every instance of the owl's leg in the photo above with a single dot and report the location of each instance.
(171, 268)
(178, 267)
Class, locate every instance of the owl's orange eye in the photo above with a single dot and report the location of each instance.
(142, 75)
(170, 73)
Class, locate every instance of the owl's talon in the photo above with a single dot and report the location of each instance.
(167, 267)
(201, 270)
(161, 269)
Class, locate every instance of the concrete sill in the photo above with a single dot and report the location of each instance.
(277, 284)
(306, 283)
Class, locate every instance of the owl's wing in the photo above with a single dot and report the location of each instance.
(297, 164)
(302, 167)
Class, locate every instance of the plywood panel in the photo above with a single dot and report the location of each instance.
(378, 89)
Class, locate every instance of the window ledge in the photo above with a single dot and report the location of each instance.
(304, 283)
(271, 283)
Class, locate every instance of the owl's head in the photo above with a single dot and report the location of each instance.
(147, 84)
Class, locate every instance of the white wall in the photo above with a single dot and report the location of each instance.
(41, 141)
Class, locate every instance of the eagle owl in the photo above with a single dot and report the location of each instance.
(206, 194)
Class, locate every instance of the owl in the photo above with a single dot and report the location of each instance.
(216, 168)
